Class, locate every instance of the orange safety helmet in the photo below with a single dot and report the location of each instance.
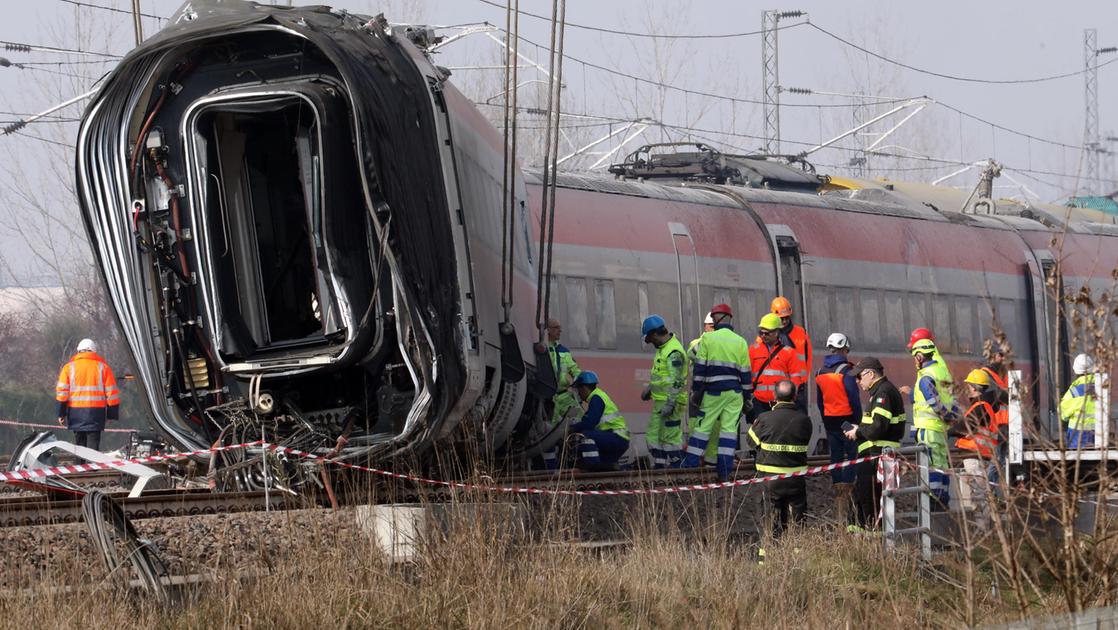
(781, 307)
(920, 334)
(721, 309)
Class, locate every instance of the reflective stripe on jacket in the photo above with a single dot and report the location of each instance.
(87, 382)
(1077, 407)
(612, 420)
(883, 421)
(983, 438)
(721, 362)
(669, 372)
(781, 437)
(933, 410)
(566, 370)
(783, 366)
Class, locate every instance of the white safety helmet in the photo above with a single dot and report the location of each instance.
(1083, 364)
(87, 345)
(838, 341)
(709, 321)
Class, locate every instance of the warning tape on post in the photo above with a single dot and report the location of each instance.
(56, 471)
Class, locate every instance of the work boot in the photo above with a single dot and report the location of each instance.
(842, 495)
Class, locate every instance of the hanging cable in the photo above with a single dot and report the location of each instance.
(19, 47)
(555, 155)
(553, 122)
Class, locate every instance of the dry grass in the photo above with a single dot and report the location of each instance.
(474, 577)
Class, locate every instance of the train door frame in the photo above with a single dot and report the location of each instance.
(789, 263)
(1056, 333)
(686, 319)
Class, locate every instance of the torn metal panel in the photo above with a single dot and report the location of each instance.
(285, 203)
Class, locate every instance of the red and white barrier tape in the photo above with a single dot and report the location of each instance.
(55, 471)
(39, 473)
(555, 491)
(55, 427)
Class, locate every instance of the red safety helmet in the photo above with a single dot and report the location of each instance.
(781, 307)
(721, 309)
(920, 334)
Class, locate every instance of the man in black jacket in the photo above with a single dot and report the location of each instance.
(781, 437)
(883, 424)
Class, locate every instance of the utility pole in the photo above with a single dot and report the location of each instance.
(1091, 116)
(770, 73)
(1092, 143)
(136, 23)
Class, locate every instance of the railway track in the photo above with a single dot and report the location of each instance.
(39, 510)
(28, 510)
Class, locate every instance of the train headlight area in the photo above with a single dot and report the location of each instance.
(299, 221)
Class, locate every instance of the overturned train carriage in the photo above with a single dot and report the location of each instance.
(293, 216)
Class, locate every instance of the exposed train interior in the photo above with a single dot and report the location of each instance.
(273, 296)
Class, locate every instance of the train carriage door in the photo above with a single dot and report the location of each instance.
(1046, 293)
(687, 277)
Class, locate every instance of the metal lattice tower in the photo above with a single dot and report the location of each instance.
(1091, 118)
(770, 76)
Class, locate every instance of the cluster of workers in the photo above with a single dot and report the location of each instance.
(720, 380)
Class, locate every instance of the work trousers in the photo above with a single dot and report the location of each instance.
(601, 448)
(841, 450)
(1080, 438)
(867, 491)
(564, 402)
(719, 415)
(785, 503)
(91, 439)
(939, 481)
(665, 435)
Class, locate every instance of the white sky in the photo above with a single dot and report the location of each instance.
(1003, 40)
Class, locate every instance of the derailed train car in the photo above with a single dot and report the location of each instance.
(299, 225)
(299, 221)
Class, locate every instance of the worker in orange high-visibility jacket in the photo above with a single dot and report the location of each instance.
(792, 334)
(773, 362)
(87, 395)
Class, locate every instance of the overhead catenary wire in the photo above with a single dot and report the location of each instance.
(944, 75)
(611, 31)
(90, 5)
(21, 47)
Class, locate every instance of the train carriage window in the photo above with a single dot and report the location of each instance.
(718, 296)
(575, 329)
(605, 314)
(845, 313)
(557, 308)
(893, 314)
(985, 308)
(964, 325)
(918, 316)
(747, 311)
(663, 299)
(1007, 318)
(941, 323)
(871, 318)
(629, 314)
(819, 313)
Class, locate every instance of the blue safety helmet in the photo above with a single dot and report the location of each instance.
(586, 378)
(651, 323)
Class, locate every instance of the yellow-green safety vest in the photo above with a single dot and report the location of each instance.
(664, 377)
(923, 416)
(1077, 407)
(612, 420)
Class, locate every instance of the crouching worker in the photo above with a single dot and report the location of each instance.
(781, 437)
(605, 436)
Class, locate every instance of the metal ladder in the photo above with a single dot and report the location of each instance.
(923, 513)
